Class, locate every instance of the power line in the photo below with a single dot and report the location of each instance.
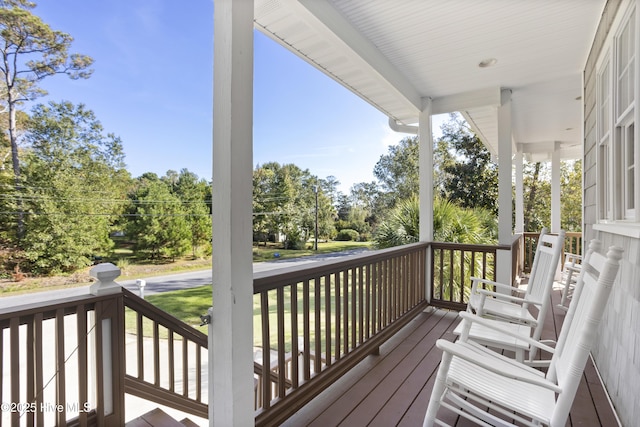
(135, 202)
(123, 214)
(96, 214)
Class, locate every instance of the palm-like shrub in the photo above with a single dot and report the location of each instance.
(452, 224)
(402, 226)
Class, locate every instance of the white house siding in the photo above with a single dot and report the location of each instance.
(617, 353)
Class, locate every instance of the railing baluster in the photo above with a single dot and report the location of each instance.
(462, 281)
(185, 367)
(327, 319)
(83, 371)
(37, 368)
(451, 274)
(30, 371)
(360, 288)
(379, 295)
(100, 363)
(281, 352)
(171, 361)
(352, 301)
(472, 272)
(441, 281)
(307, 330)
(61, 397)
(393, 278)
(295, 351)
(140, 345)
(393, 282)
(484, 265)
(266, 350)
(345, 311)
(317, 366)
(403, 280)
(338, 308)
(198, 371)
(367, 302)
(412, 274)
(385, 293)
(14, 340)
(156, 354)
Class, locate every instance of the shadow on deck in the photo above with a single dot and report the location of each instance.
(393, 388)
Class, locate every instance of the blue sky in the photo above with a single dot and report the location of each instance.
(152, 86)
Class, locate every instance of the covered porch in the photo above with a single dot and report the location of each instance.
(512, 70)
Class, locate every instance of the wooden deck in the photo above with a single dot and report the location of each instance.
(393, 388)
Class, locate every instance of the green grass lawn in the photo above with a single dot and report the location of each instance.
(188, 304)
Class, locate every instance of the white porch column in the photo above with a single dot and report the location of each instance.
(519, 161)
(425, 138)
(231, 329)
(555, 189)
(505, 209)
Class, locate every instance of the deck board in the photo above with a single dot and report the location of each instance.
(393, 387)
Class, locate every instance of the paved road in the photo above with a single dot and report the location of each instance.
(170, 282)
(173, 282)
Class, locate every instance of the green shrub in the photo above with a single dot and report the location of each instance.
(347, 235)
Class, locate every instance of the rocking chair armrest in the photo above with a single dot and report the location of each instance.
(509, 298)
(469, 318)
(477, 280)
(572, 257)
(576, 269)
(465, 352)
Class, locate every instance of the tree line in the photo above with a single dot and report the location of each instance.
(75, 194)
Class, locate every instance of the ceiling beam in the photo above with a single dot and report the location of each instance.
(489, 97)
(370, 56)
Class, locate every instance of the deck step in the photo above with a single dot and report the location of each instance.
(158, 418)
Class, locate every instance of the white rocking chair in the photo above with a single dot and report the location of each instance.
(569, 277)
(472, 378)
(504, 307)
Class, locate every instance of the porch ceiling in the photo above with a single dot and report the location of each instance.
(394, 54)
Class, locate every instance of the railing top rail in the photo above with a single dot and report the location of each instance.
(469, 246)
(163, 318)
(268, 280)
(68, 303)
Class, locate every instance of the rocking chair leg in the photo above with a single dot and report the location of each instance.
(438, 391)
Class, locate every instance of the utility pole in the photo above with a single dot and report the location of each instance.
(315, 189)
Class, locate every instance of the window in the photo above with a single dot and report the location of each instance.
(625, 53)
(604, 137)
(617, 152)
(629, 170)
